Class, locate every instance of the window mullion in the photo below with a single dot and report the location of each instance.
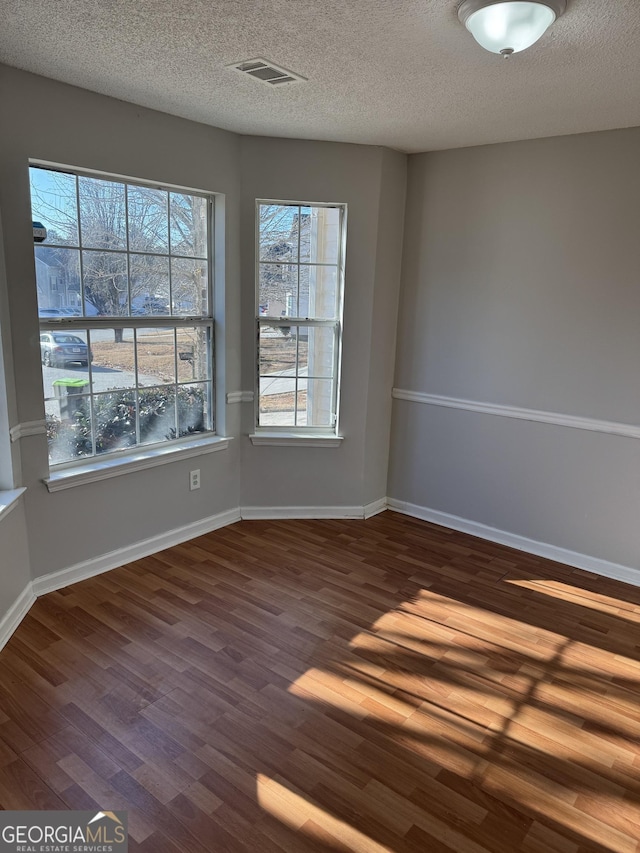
(80, 253)
(91, 406)
(211, 214)
(337, 343)
(83, 323)
(176, 418)
(170, 257)
(298, 258)
(127, 249)
(136, 389)
(293, 321)
(297, 369)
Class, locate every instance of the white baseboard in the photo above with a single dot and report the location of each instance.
(15, 614)
(122, 556)
(375, 508)
(266, 513)
(272, 513)
(147, 547)
(114, 559)
(521, 543)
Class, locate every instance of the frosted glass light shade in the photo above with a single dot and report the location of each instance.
(508, 26)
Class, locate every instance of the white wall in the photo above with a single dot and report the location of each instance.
(520, 288)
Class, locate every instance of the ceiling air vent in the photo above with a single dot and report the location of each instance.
(266, 71)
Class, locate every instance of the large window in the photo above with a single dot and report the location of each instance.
(124, 281)
(300, 274)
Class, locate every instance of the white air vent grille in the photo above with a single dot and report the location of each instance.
(266, 72)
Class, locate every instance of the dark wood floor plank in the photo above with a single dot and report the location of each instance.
(308, 686)
(21, 787)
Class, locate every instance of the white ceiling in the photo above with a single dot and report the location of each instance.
(401, 73)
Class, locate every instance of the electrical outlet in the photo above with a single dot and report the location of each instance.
(194, 479)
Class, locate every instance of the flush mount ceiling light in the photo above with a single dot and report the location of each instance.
(509, 26)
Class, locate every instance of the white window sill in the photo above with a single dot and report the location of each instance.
(104, 468)
(295, 439)
(9, 499)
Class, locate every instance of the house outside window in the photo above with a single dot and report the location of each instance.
(299, 299)
(124, 284)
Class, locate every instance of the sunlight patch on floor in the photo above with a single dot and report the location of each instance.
(585, 598)
(298, 813)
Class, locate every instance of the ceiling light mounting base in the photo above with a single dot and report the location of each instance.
(468, 7)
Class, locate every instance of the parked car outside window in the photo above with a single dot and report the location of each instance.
(57, 349)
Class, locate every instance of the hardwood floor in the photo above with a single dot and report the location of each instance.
(333, 686)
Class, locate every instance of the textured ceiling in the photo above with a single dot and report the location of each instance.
(401, 73)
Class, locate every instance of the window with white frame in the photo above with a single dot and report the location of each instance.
(124, 283)
(299, 294)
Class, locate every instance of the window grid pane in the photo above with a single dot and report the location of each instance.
(107, 219)
(296, 374)
(108, 252)
(135, 395)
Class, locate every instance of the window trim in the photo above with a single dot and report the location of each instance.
(267, 438)
(100, 466)
(8, 471)
(126, 462)
(9, 500)
(116, 177)
(290, 435)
